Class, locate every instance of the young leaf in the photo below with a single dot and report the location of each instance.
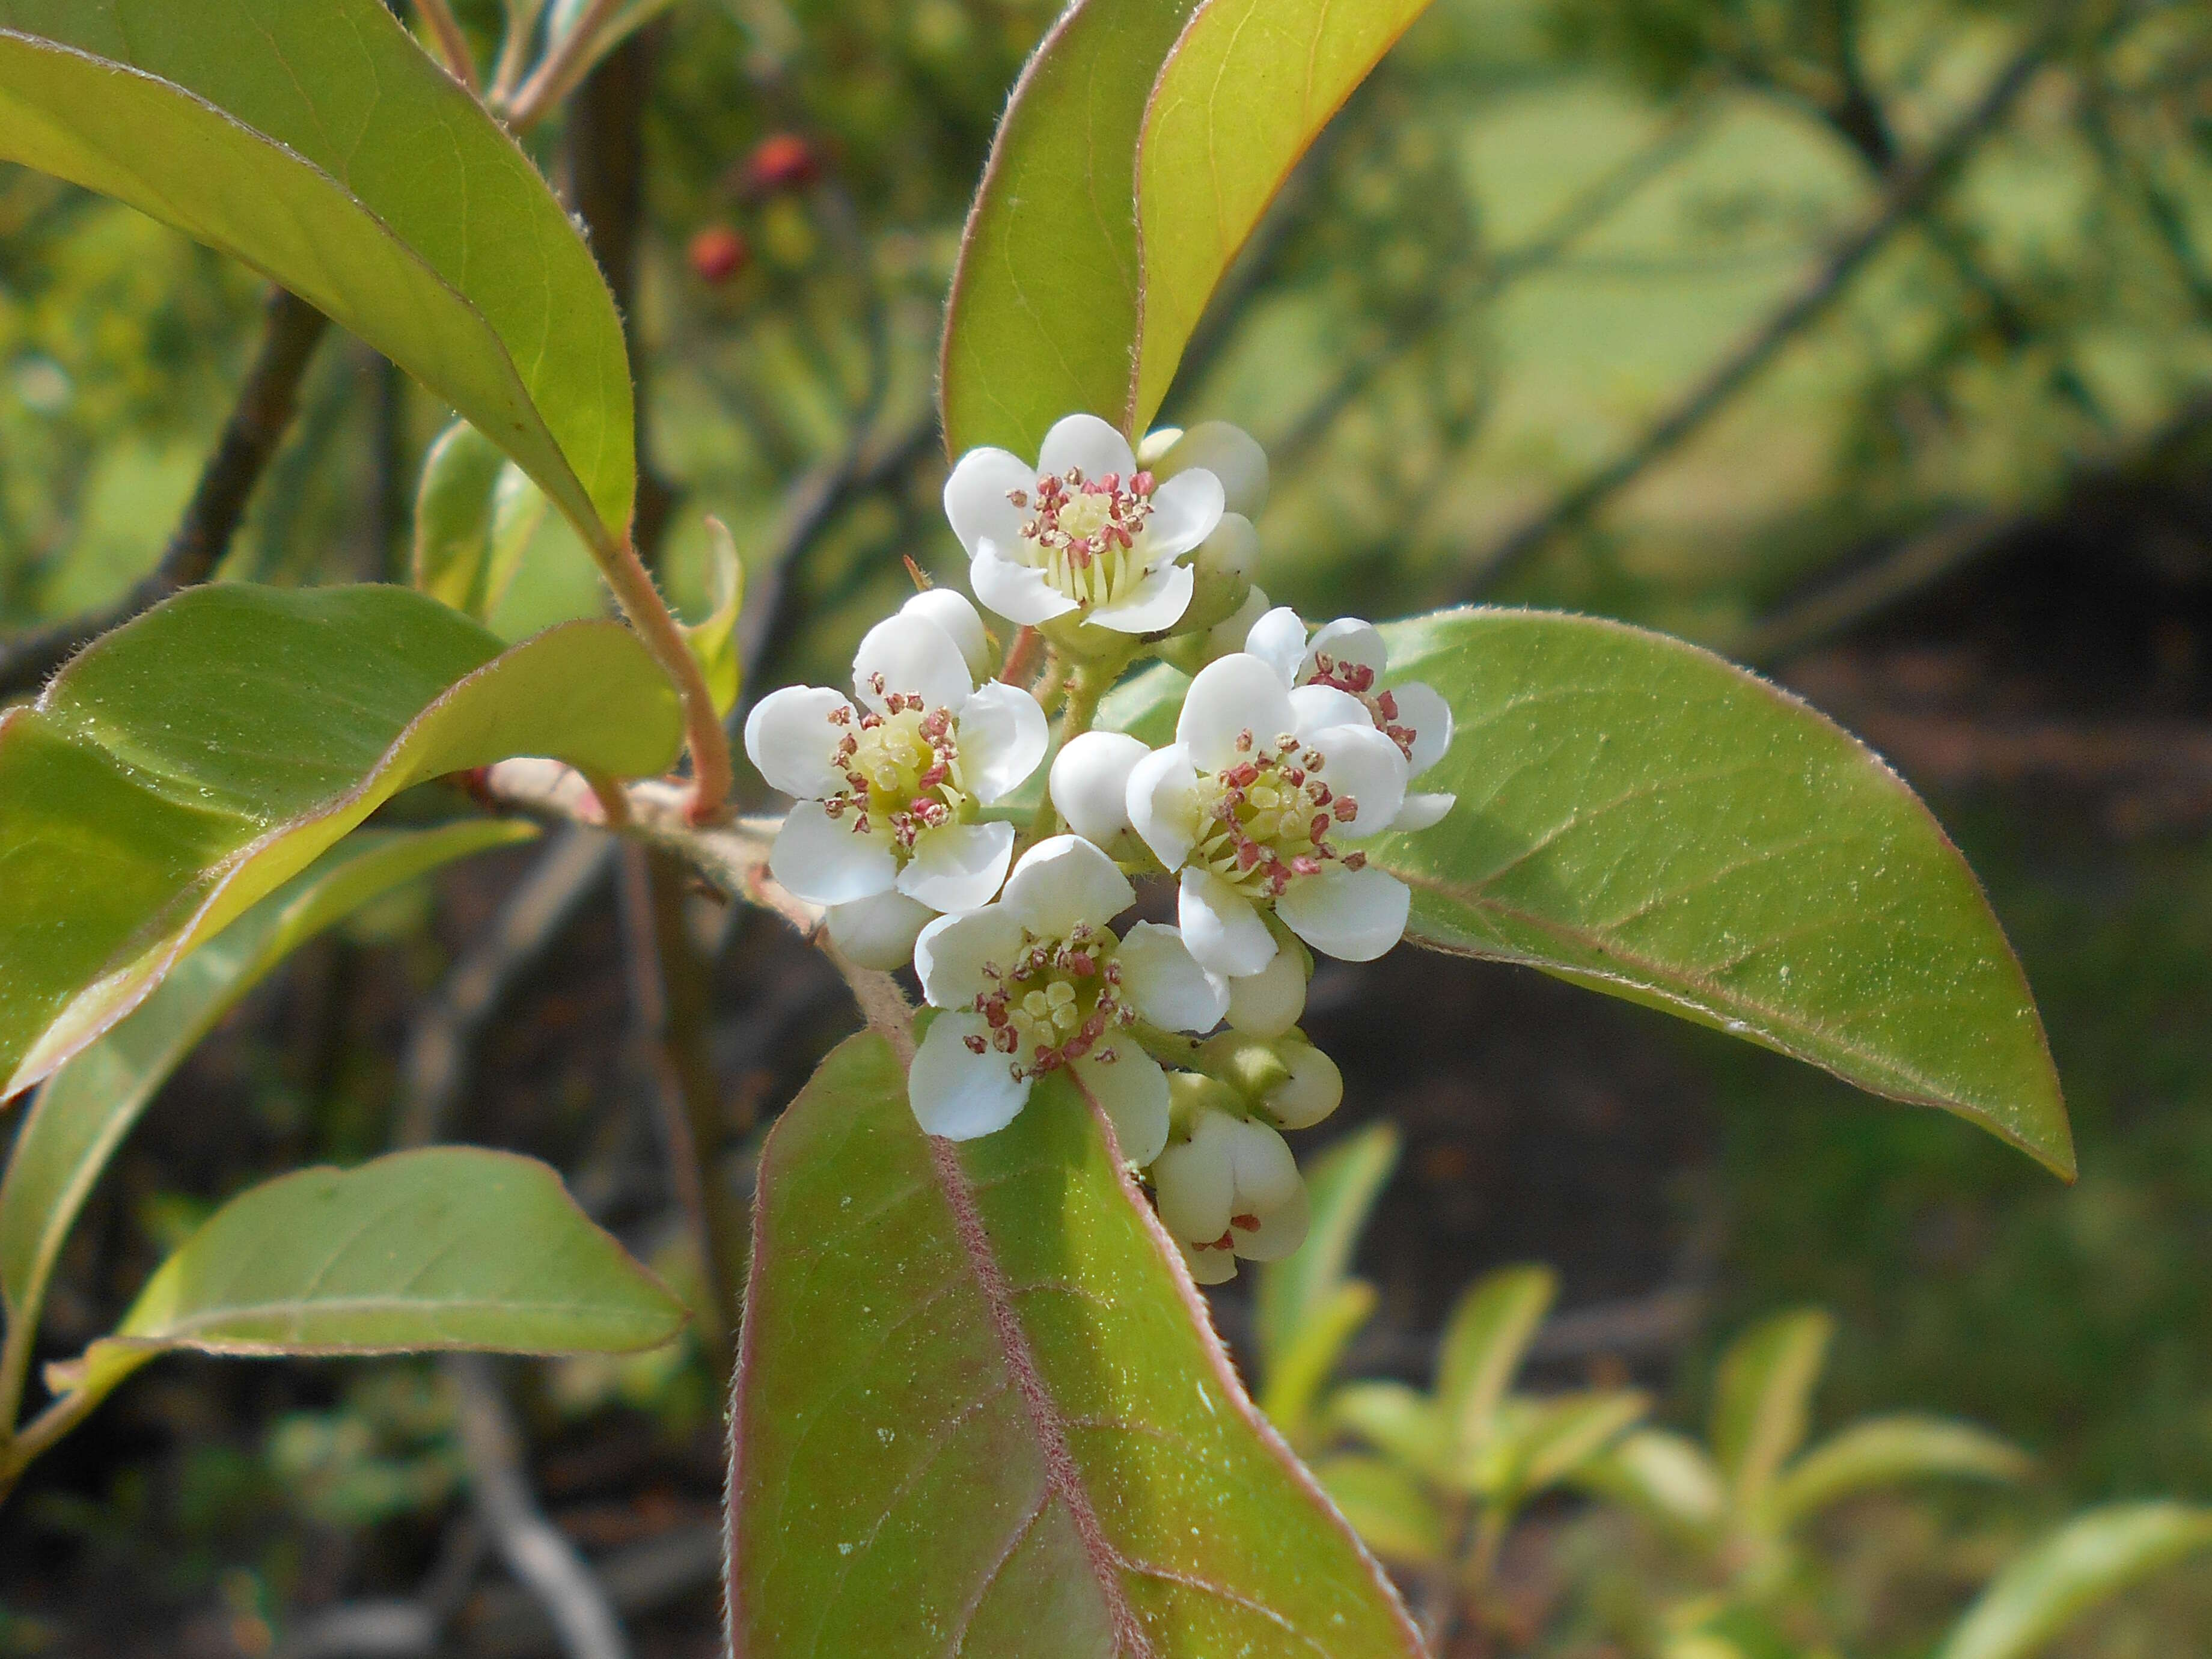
(447, 1247)
(2093, 1557)
(1248, 88)
(1043, 308)
(1398, 1421)
(1386, 1507)
(1548, 1441)
(979, 1409)
(191, 763)
(474, 516)
(314, 140)
(1489, 1330)
(83, 1113)
(1663, 1476)
(1342, 1183)
(1296, 1376)
(1890, 1451)
(1762, 1400)
(713, 642)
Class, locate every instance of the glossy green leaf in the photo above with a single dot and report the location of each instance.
(1663, 1476)
(1386, 1507)
(1248, 88)
(475, 514)
(1881, 1452)
(980, 1410)
(316, 140)
(1490, 1329)
(1044, 311)
(713, 642)
(2093, 1557)
(1398, 1421)
(444, 1248)
(1343, 1181)
(84, 1110)
(1763, 1400)
(190, 763)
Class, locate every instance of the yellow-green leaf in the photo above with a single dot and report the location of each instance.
(1763, 1400)
(2093, 1557)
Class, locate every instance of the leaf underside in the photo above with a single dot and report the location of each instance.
(191, 763)
(980, 1412)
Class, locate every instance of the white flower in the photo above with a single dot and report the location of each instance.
(1085, 533)
(1349, 655)
(887, 791)
(1232, 1189)
(1037, 982)
(1250, 805)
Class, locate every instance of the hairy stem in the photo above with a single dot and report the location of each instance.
(556, 75)
(702, 726)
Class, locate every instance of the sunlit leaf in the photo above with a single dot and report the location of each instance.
(980, 1411)
(316, 140)
(1890, 1451)
(1044, 310)
(1386, 1508)
(1763, 1400)
(1295, 1377)
(84, 1110)
(1664, 1476)
(475, 514)
(1396, 1419)
(1551, 1439)
(2093, 1557)
(1248, 88)
(1490, 1329)
(190, 763)
(447, 1247)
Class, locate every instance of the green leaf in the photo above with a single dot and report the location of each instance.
(190, 763)
(979, 1409)
(1892, 1451)
(1044, 310)
(1342, 1183)
(314, 140)
(1386, 1507)
(713, 642)
(446, 1248)
(2093, 1557)
(1638, 817)
(85, 1110)
(475, 514)
(1490, 1329)
(1396, 1419)
(1297, 1376)
(1663, 1476)
(1762, 1400)
(1248, 88)
(1550, 1440)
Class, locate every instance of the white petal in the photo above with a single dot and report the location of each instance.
(1003, 734)
(1347, 639)
(1194, 1182)
(1016, 592)
(1229, 453)
(911, 654)
(1163, 983)
(948, 607)
(958, 866)
(1278, 639)
(952, 954)
(976, 497)
(1064, 881)
(1314, 1089)
(1419, 812)
(1185, 510)
(1266, 1174)
(1090, 782)
(877, 933)
(1352, 914)
(1281, 1231)
(1132, 1092)
(1163, 804)
(1238, 697)
(1421, 708)
(1153, 606)
(825, 860)
(1319, 707)
(1230, 634)
(957, 1092)
(1154, 448)
(1364, 767)
(1270, 1002)
(1208, 1267)
(1086, 442)
(790, 739)
(1221, 928)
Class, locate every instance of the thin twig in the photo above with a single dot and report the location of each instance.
(453, 45)
(291, 329)
(1904, 201)
(535, 1550)
(559, 70)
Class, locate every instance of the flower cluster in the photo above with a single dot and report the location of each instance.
(1293, 751)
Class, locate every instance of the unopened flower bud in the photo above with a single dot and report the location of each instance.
(1270, 1002)
(1249, 1065)
(1191, 1095)
(1229, 453)
(1314, 1089)
(1090, 783)
(1223, 568)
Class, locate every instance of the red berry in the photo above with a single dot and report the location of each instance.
(719, 253)
(782, 160)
